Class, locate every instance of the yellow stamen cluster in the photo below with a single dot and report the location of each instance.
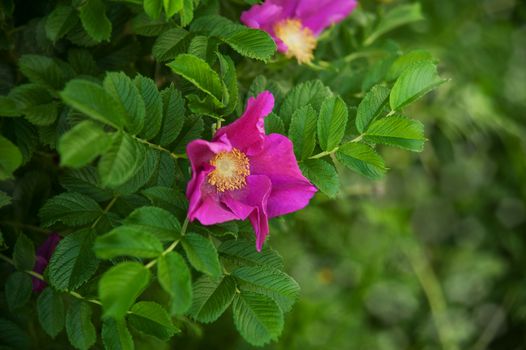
(300, 40)
(231, 170)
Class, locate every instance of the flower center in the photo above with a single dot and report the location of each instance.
(300, 40)
(231, 170)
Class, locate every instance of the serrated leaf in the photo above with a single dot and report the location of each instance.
(174, 276)
(397, 131)
(72, 209)
(377, 72)
(274, 124)
(310, 92)
(50, 309)
(173, 116)
(151, 318)
(167, 198)
(87, 182)
(228, 74)
(166, 46)
(202, 254)
(146, 26)
(120, 286)
(80, 329)
(10, 158)
(115, 335)
(193, 128)
(73, 261)
(153, 105)
(371, 106)
(242, 252)
(396, 17)
(153, 8)
(199, 73)
(322, 175)
(407, 61)
(246, 41)
(129, 241)
(92, 100)
(143, 174)
(171, 7)
(414, 83)
(302, 131)
(156, 221)
(17, 290)
(24, 253)
(270, 282)
(332, 122)
(60, 21)
(363, 159)
(93, 16)
(258, 318)
(211, 298)
(42, 115)
(82, 144)
(44, 70)
(122, 160)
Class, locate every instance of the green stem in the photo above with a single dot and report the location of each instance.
(162, 149)
(327, 153)
(171, 247)
(106, 210)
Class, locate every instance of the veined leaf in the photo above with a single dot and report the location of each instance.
(60, 21)
(202, 254)
(228, 74)
(151, 318)
(361, 158)
(173, 116)
(242, 252)
(193, 128)
(72, 209)
(187, 12)
(167, 45)
(171, 7)
(153, 8)
(94, 20)
(371, 106)
(144, 173)
(155, 221)
(127, 240)
(44, 70)
(115, 335)
(120, 286)
(397, 131)
(50, 309)
(274, 124)
(85, 181)
(80, 329)
(166, 198)
(211, 298)
(310, 92)
(322, 174)
(258, 318)
(302, 131)
(24, 253)
(73, 261)
(332, 122)
(143, 25)
(174, 276)
(17, 290)
(407, 61)
(10, 158)
(153, 105)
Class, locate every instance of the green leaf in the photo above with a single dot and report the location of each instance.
(202, 254)
(377, 72)
(174, 276)
(8, 107)
(173, 116)
(331, 123)
(122, 160)
(43, 70)
(82, 144)
(398, 16)
(92, 100)
(258, 318)
(73, 261)
(322, 175)
(406, 62)
(211, 298)
(94, 20)
(129, 241)
(166, 198)
(72, 209)
(187, 13)
(199, 73)
(270, 282)
(253, 43)
(4, 199)
(361, 158)
(129, 100)
(156, 221)
(50, 308)
(60, 21)
(115, 335)
(371, 106)
(153, 8)
(153, 105)
(242, 252)
(12, 336)
(120, 286)
(146, 26)
(414, 83)
(143, 174)
(310, 92)
(302, 131)
(17, 290)
(193, 128)
(274, 124)
(228, 74)
(397, 131)
(167, 45)
(80, 329)
(10, 158)
(87, 182)
(24, 253)
(171, 7)
(43, 114)
(151, 318)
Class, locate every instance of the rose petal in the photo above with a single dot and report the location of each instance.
(320, 14)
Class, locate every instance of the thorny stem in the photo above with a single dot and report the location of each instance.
(171, 247)
(162, 149)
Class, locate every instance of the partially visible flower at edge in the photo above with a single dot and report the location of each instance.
(243, 173)
(43, 254)
(295, 24)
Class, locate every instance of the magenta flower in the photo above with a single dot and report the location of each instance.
(295, 24)
(244, 173)
(43, 255)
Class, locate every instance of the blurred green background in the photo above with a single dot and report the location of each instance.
(432, 257)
